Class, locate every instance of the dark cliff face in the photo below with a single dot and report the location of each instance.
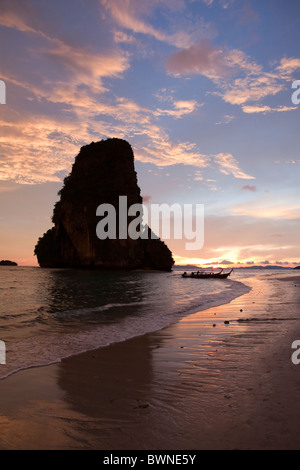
(102, 172)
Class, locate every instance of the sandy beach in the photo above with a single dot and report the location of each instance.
(218, 379)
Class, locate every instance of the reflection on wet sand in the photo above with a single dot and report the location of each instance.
(199, 384)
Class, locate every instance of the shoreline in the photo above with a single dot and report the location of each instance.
(131, 329)
(199, 383)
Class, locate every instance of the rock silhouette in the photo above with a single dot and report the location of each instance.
(7, 262)
(102, 172)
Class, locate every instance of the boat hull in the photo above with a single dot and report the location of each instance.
(207, 275)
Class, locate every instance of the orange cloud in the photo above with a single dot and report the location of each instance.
(250, 88)
(88, 68)
(134, 15)
(287, 67)
(38, 149)
(229, 165)
(238, 78)
(180, 109)
(79, 93)
(130, 14)
(266, 109)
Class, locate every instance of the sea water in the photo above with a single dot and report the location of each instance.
(49, 314)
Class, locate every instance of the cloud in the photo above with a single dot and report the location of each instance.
(238, 78)
(228, 165)
(226, 120)
(180, 109)
(249, 238)
(158, 148)
(248, 109)
(201, 58)
(247, 187)
(69, 74)
(269, 208)
(72, 100)
(287, 66)
(214, 62)
(198, 176)
(86, 67)
(131, 14)
(250, 88)
(243, 239)
(24, 141)
(20, 16)
(226, 3)
(208, 2)
(223, 3)
(287, 162)
(122, 37)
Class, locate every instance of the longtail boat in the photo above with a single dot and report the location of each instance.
(207, 275)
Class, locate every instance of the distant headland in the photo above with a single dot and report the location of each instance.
(102, 172)
(6, 262)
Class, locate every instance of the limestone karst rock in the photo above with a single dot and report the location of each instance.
(102, 172)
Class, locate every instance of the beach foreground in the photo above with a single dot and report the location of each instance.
(218, 379)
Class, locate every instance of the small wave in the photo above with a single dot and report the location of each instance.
(54, 345)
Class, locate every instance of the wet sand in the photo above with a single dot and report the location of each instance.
(198, 384)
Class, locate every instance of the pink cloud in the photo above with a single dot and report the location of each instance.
(247, 187)
(201, 59)
(132, 14)
(239, 78)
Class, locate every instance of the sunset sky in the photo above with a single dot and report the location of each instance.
(202, 91)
